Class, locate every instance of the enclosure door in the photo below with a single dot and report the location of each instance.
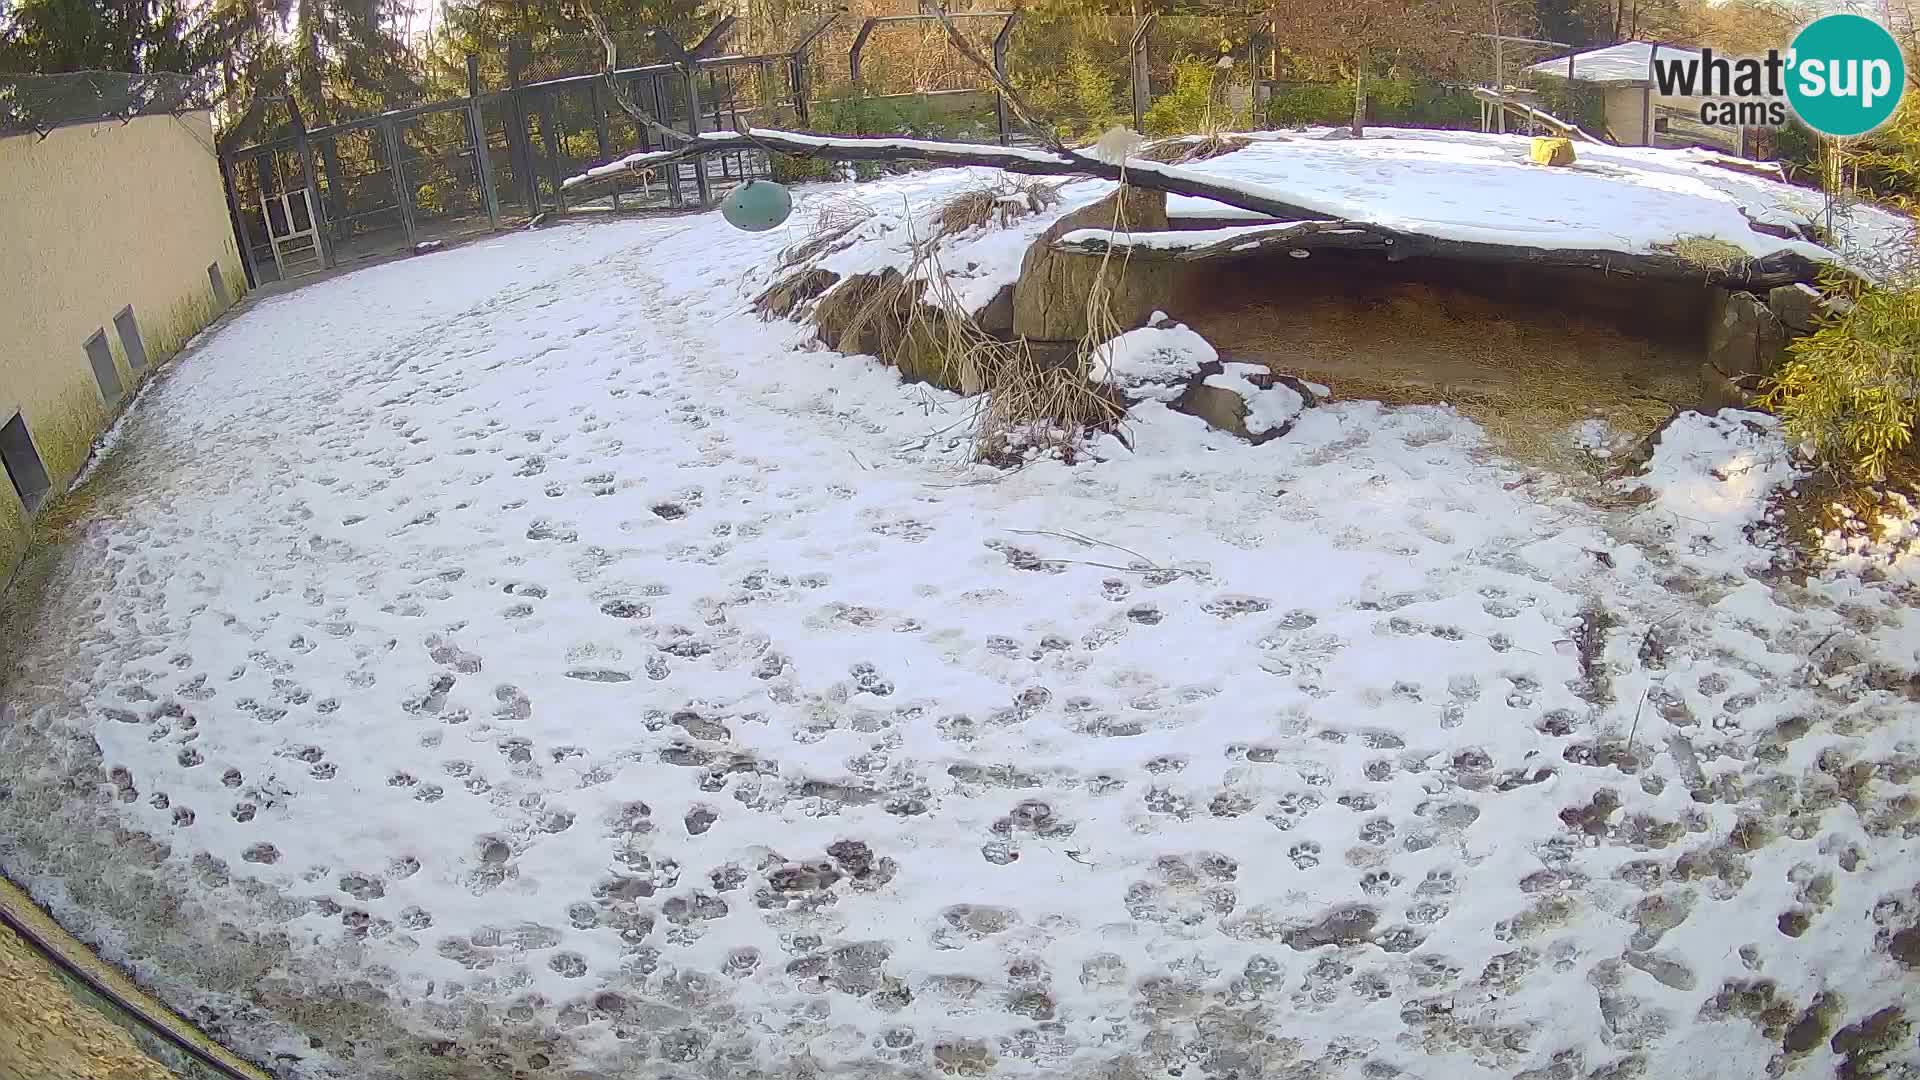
(295, 234)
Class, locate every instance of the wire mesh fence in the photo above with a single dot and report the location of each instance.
(41, 103)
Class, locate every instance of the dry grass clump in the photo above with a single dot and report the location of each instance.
(1026, 401)
(1001, 202)
(1037, 405)
(1708, 253)
(1182, 149)
(834, 217)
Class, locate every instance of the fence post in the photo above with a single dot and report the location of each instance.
(693, 128)
(519, 145)
(482, 160)
(1000, 42)
(313, 192)
(239, 227)
(402, 195)
(1138, 55)
(600, 131)
(797, 66)
(853, 75)
(797, 82)
(550, 105)
(1254, 60)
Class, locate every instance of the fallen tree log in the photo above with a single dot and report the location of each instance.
(1139, 172)
(1395, 245)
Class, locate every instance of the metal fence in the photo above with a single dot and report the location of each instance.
(40, 103)
(326, 196)
(419, 176)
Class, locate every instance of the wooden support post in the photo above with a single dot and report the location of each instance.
(397, 169)
(1253, 94)
(666, 117)
(853, 74)
(797, 82)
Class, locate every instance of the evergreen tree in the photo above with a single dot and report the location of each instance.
(330, 59)
(138, 36)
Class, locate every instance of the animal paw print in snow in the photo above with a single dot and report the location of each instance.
(1378, 882)
(1305, 855)
(866, 679)
(1291, 807)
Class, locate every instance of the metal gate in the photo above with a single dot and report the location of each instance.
(294, 233)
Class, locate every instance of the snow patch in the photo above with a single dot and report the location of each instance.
(1152, 363)
(1712, 478)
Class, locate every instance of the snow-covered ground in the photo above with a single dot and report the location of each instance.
(521, 658)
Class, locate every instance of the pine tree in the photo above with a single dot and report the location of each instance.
(330, 59)
(136, 36)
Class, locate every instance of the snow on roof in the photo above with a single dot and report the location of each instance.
(1627, 62)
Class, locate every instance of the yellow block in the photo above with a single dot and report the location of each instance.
(1552, 151)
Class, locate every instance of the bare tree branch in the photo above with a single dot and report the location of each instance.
(1048, 137)
(621, 95)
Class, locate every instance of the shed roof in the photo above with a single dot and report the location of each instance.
(1629, 63)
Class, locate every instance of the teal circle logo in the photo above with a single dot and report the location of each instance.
(1846, 75)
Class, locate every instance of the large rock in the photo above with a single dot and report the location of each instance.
(882, 315)
(783, 297)
(1797, 306)
(1050, 299)
(1247, 400)
(1721, 392)
(1744, 338)
(997, 317)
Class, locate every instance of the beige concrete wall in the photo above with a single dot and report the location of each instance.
(95, 217)
(1627, 115)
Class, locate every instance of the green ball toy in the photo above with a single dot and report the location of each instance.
(757, 205)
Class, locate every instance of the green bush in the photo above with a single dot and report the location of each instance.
(906, 114)
(1852, 388)
(801, 170)
(1301, 104)
(1196, 105)
(1393, 101)
(1081, 97)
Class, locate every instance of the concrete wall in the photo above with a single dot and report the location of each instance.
(1627, 114)
(95, 217)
